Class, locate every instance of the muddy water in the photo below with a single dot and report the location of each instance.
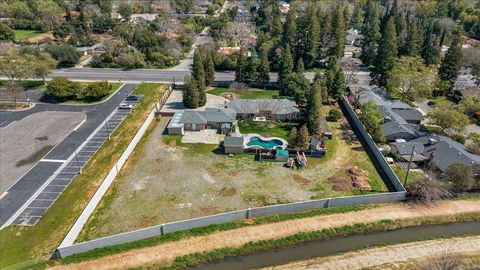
(329, 247)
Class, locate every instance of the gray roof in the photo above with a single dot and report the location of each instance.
(218, 115)
(233, 141)
(446, 150)
(394, 123)
(409, 114)
(381, 98)
(254, 106)
(405, 148)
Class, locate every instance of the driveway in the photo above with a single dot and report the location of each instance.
(175, 104)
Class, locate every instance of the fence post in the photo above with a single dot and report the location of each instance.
(248, 213)
(162, 232)
(328, 203)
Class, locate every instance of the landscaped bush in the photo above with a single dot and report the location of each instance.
(334, 115)
(459, 138)
(66, 55)
(63, 89)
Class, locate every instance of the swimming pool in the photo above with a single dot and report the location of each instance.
(255, 140)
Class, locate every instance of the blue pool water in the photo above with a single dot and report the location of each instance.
(255, 141)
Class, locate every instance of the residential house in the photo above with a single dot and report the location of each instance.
(90, 49)
(468, 92)
(435, 150)
(271, 109)
(401, 121)
(212, 118)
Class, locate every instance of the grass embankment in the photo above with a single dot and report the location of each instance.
(302, 237)
(208, 230)
(113, 88)
(28, 245)
(250, 93)
(22, 35)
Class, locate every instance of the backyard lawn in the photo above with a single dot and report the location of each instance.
(24, 246)
(250, 93)
(168, 181)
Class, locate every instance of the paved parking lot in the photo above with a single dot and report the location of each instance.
(68, 169)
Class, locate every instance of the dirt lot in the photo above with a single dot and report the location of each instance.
(24, 143)
(403, 256)
(167, 252)
(169, 181)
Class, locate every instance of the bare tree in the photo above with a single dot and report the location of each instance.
(444, 260)
(350, 69)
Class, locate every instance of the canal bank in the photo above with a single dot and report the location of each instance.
(329, 247)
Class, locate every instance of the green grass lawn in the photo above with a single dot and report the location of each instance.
(21, 35)
(441, 101)
(24, 246)
(269, 128)
(251, 93)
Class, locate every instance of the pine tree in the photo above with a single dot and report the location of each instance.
(251, 74)
(371, 32)
(209, 69)
(414, 40)
(313, 107)
(431, 47)
(300, 67)
(276, 30)
(387, 53)
(452, 62)
(338, 26)
(357, 18)
(286, 66)
(402, 32)
(326, 36)
(241, 68)
(190, 93)
(303, 138)
(264, 67)
(312, 38)
(290, 29)
(198, 73)
(346, 15)
(335, 79)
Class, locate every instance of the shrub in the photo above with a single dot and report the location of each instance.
(66, 55)
(458, 137)
(96, 91)
(130, 60)
(334, 115)
(60, 88)
(460, 176)
(426, 190)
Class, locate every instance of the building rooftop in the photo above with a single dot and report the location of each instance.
(254, 106)
(209, 115)
(233, 141)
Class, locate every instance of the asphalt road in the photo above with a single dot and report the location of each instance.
(26, 186)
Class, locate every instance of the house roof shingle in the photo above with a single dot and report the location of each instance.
(253, 106)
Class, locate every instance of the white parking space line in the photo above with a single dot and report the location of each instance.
(53, 160)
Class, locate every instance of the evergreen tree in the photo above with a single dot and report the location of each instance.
(300, 68)
(209, 69)
(276, 30)
(335, 79)
(303, 140)
(431, 47)
(312, 38)
(313, 107)
(357, 18)
(198, 73)
(387, 53)
(251, 74)
(414, 40)
(264, 67)
(338, 26)
(290, 29)
(402, 34)
(286, 66)
(346, 15)
(327, 41)
(452, 62)
(240, 72)
(371, 32)
(190, 93)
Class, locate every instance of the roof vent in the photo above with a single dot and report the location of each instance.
(432, 141)
(460, 153)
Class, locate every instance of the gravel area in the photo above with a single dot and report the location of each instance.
(23, 143)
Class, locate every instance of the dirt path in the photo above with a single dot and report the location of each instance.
(389, 256)
(166, 252)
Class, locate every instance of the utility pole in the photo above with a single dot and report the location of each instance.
(76, 158)
(409, 164)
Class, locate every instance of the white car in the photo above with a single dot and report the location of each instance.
(125, 105)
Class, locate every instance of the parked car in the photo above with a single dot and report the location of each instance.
(125, 105)
(432, 103)
(133, 98)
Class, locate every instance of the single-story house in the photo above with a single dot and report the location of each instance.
(233, 145)
(90, 49)
(468, 92)
(401, 121)
(435, 150)
(325, 129)
(271, 109)
(212, 118)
